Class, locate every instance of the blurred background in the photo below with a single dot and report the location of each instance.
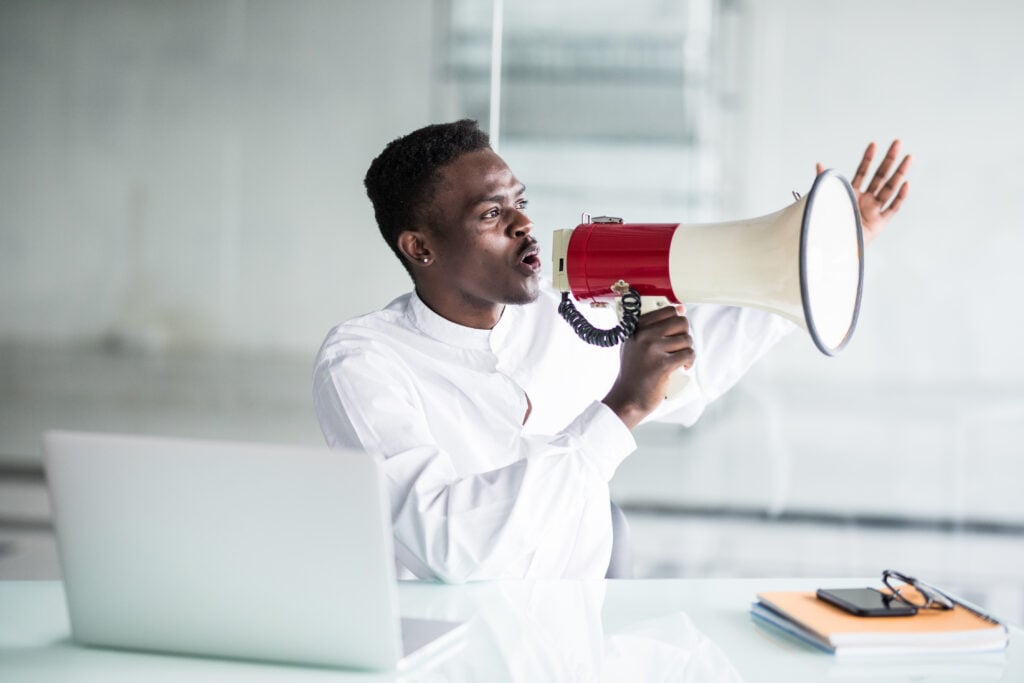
(182, 219)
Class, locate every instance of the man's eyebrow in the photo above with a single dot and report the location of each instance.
(498, 198)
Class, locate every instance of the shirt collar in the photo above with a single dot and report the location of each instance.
(453, 334)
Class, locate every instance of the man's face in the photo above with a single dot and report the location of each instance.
(481, 235)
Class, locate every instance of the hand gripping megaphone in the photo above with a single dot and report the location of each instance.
(804, 262)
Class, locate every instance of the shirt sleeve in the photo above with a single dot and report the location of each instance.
(728, 340)
(458, 528)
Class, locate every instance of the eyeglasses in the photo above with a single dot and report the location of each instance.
(915, 592)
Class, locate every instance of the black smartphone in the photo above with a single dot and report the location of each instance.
(866, 602)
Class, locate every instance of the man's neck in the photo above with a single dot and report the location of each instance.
(461, 311)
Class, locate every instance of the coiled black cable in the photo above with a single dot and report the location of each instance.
(596, 336)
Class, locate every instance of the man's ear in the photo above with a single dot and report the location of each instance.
(415, 248)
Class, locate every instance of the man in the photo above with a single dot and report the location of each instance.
(499, 429)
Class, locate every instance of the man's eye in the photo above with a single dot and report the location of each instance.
(522, 204)
(493, 213)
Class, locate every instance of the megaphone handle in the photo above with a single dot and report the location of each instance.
(682, 383)
(652, 303)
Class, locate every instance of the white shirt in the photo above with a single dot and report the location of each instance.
(475, 493)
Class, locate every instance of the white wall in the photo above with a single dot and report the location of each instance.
(190, 174)
(942, 299)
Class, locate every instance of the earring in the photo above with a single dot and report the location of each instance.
(426, 260)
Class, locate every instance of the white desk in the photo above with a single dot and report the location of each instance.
(679, 630)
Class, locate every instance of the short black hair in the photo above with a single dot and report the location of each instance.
(403, 178)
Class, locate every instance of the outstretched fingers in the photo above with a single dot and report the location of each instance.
(882, 173)
(862, 169)
(895, 186)
(900, 196)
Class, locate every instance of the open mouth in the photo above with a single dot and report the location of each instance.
(531, 260)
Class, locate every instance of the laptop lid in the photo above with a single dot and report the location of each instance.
(256, 551)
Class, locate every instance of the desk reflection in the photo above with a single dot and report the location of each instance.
(554, 631)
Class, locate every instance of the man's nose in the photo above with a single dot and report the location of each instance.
(521, 225)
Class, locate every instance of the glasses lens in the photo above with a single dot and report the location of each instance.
(906, 591)
(936, 599)
(916, 593)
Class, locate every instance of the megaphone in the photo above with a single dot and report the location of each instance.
(804, 262)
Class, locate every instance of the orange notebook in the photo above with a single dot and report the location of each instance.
(804, 615)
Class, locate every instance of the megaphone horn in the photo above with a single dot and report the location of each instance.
(804, 262)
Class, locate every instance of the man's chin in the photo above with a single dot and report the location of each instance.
(525, 296)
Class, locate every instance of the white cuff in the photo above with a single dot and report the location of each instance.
(606, 438)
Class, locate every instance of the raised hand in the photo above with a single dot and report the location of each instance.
(884, 194)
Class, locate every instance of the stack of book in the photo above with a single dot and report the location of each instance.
(802, 614)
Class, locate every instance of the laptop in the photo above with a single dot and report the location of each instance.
(230, 549)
